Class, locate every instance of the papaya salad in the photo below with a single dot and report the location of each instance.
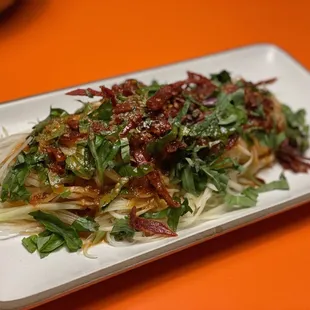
(140, 162)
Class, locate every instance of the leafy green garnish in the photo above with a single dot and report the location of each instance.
(271, 140)
(177, 120)
(48, 244)
(157, 146)
(280, 184)
(45, 243)
(225, 120)
(30, 243)
(58, 234)
(13, 187)
(248, 197)
(103, 152)
(54, 113)
(188, 182)
(125, 150)
(297, 130)
(130, 171)
(98, 236)
(54, 129)
(81, 163)
(172, 214)
(85, 224)
(222, 78)
(122, 230)
(150, 90)
(55, 225)
(230, 108)
(103, 113)
(110, 196)
(219, 180)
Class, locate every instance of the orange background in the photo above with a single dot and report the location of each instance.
(48, 44)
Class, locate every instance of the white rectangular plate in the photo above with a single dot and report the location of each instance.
(26, 279)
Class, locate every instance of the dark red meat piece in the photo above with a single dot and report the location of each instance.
(84, 92)
(122, 108)
(148, 226)
(70, 138)
(55, 154)
(108, 93)
(160, 127)
(155, 180)
(291, 159)
(156, 102)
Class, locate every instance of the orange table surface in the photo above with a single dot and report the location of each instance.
(49, 44)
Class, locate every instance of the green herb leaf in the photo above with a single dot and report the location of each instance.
(54, 113)
(157, 146)
(84, 125)
(156, 215)
(98, 236)
(130, 171)
(103, 152)
(30, 243)
(103, 113)
(219, 180)
(280, 184)
(13, 187)
(188, 182)
(230, 108)
(52, 130)
(271, 140)
(81, 163)
(125, 150)
(55, 225)
(221, 78)
(240, 201)
(49, 243)
(174, 214)
(109, 197)
(122, 230)
(151, 90)
(177, 120)
(87, 224)
(297, 130)
(248, 197)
